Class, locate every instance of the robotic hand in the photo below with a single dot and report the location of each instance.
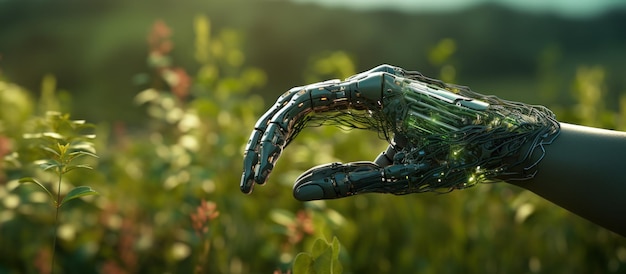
(442, 136)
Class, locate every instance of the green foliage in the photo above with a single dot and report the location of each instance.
(44, 188)
(328, 65)
(440, 55)
(323, 259)
(78, 192)
(15, 108)
(62, 141)
(170, 200)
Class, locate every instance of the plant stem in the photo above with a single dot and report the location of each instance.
(205, 254)
(57, 206)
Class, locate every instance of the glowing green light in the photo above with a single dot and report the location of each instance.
(460, 145)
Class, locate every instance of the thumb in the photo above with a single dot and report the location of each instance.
(336, 180)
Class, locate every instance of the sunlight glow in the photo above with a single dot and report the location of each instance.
(581, 8)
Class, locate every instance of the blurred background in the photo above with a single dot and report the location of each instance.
(174, 90)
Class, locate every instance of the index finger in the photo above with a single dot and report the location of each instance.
(251, 153)
(272, 133)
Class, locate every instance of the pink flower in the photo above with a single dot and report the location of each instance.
(159, 38)
(205, 213)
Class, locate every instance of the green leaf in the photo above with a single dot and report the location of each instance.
(303, 264)
(51, 150)
(80, 128)
(336, 267)
(282, 217)
(79, 153)
(147, 95)
(53, 135)
(34, 181)
(47, 164)
(323, 259)
(53, 114)
(319, 247)
(323, 262)
(78, 192)
(63, 148)
(335, 247)
(72, 167)
(31, 135)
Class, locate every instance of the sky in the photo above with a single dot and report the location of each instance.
(570, 8)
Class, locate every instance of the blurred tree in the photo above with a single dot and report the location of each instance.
(329, 65)
(440, 56)
(589, 90)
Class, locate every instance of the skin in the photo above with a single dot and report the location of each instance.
(583, 171)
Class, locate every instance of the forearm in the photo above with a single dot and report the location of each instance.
(584, 171)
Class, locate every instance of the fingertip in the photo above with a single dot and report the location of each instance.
(245, 189)
(247, 183)
(250, 163)
(263, 172)
(308, 192)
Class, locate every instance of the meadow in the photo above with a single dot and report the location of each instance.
(161, 194)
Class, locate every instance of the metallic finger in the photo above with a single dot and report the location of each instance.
(335, 180)
(253, 147)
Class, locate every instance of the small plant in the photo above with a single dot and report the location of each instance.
(201, 221)
(323, 258)
(61, 142)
